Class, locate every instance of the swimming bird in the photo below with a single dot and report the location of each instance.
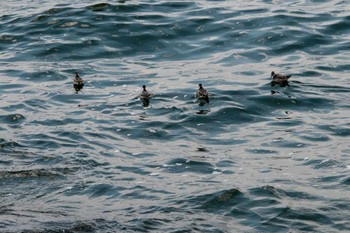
(78, 82)
(202, 95)
(145, 96)
(279, 78)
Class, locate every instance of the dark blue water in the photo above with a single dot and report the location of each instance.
(257, 158)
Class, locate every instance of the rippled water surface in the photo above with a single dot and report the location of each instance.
(257, 158)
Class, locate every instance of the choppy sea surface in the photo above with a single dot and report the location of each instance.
(257, 158)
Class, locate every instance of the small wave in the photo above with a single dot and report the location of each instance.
(218, 201)
(34, 173)
(345, 181)
(100, 7)
(12, 118)
(98, 224)
(186, 165)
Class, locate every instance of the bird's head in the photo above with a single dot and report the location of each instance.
(272, 74)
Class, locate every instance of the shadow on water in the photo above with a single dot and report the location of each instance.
(203, 101)
(279, 84)
(202, 112)
(145, 102)
(78, 87)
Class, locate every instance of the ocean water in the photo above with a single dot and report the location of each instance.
(257, 158)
